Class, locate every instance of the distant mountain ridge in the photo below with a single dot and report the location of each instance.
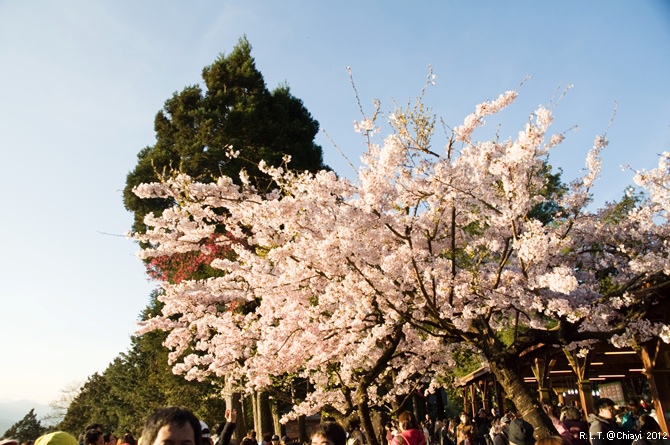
(12, 412)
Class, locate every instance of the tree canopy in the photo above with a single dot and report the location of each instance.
(366, 288)
(196, 128)
(28, 428)
(196, 131)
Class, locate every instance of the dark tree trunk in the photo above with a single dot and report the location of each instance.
(439, 404)
(504, 366)
(366, 418)
(417, 404)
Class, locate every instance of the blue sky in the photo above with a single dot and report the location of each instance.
(81, 81)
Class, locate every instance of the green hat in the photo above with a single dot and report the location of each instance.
(57, 438)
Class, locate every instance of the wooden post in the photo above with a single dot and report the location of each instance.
(586, 395)
(541, 368)
(465, 399)
(484, 387)
(579, 366)
(656, 361)
(473, 401)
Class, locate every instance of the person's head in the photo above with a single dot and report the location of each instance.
(252, 434)
(570, 413)
(275, 439)
(94, 426)
(329, 433)
(109, 439)
(605, 408)
(465, 417)
(93, 437)
(128, 438)
(648, 423)
(520, 432)
(285, 440)
(407, 421)
(175, 425)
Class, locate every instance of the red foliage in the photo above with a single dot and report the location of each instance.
(183, 266)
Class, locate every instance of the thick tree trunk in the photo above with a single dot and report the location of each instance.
(379, 419)
(502, 365)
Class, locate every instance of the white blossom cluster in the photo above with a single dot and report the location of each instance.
(383, 277)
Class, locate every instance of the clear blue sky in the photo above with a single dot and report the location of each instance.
(81, 80)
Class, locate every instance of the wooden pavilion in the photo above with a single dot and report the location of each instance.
(604, 372)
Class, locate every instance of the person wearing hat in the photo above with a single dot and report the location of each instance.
(520, 432)
(206, 434)
(57, 438)
(499, 431)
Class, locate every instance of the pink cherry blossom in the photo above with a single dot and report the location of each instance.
(382, 277)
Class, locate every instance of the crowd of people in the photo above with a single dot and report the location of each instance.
(634, 425)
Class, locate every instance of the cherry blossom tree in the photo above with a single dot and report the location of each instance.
(355, 283)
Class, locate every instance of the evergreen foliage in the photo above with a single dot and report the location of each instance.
(195, 129)
(28, 428)
(135, 384)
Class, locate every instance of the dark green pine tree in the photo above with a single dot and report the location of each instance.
(193, 132)
(195, 127)
(28, 428)
(91, 405)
